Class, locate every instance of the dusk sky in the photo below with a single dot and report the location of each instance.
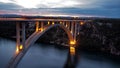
(102, 8)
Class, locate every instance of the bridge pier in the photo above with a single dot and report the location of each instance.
(42, 24)
(63, 23)
(23, 35)
(17, 36)
(72, 26)
(37, 26)
(75, 32)
(53, 23)
(68, 23)
(78, 28)
(20, 45)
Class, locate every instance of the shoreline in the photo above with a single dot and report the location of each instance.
(106, 55)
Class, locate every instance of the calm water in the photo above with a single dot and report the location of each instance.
(48, 56)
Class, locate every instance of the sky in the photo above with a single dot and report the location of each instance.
(96, 8)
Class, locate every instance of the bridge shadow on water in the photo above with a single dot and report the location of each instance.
(72, 60)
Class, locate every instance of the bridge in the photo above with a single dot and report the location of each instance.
(70, 26)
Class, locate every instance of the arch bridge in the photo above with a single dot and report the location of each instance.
(70, 26)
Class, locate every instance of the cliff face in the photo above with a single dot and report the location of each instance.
(7, 29)
(105, 39)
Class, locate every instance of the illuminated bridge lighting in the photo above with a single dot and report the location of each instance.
(21, 47)
(53, 23)
(72, 42)
(71, 32)
(41, 29)
(72, 50)
(17, 50)
(81, 23)
(66, 25)
(60, 22)
(48, 22)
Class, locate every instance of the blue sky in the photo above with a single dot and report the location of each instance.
(102, 8)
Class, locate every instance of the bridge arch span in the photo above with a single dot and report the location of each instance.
(31, 40)
(36, 35)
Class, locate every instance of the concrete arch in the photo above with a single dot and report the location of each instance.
(31, 40)
(38, 34)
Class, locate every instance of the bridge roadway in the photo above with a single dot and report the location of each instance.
(30, 41)
(38, 19)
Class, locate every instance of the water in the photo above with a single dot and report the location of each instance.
(48, 56)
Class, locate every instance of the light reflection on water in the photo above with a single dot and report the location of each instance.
(48, 56)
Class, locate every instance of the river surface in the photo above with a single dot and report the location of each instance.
(49, 56)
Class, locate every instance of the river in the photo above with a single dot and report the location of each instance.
(51, 56)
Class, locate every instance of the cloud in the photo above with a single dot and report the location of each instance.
(84, 4)
(49, 3)
(108, 8)
(9, 6)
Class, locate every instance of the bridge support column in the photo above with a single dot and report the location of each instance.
(17, 36)
(23, 35)
(72, 27)
(63, 23)
(42, 25)
(78, 29)
(75, 31)
(37, 26)
(68, 23)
